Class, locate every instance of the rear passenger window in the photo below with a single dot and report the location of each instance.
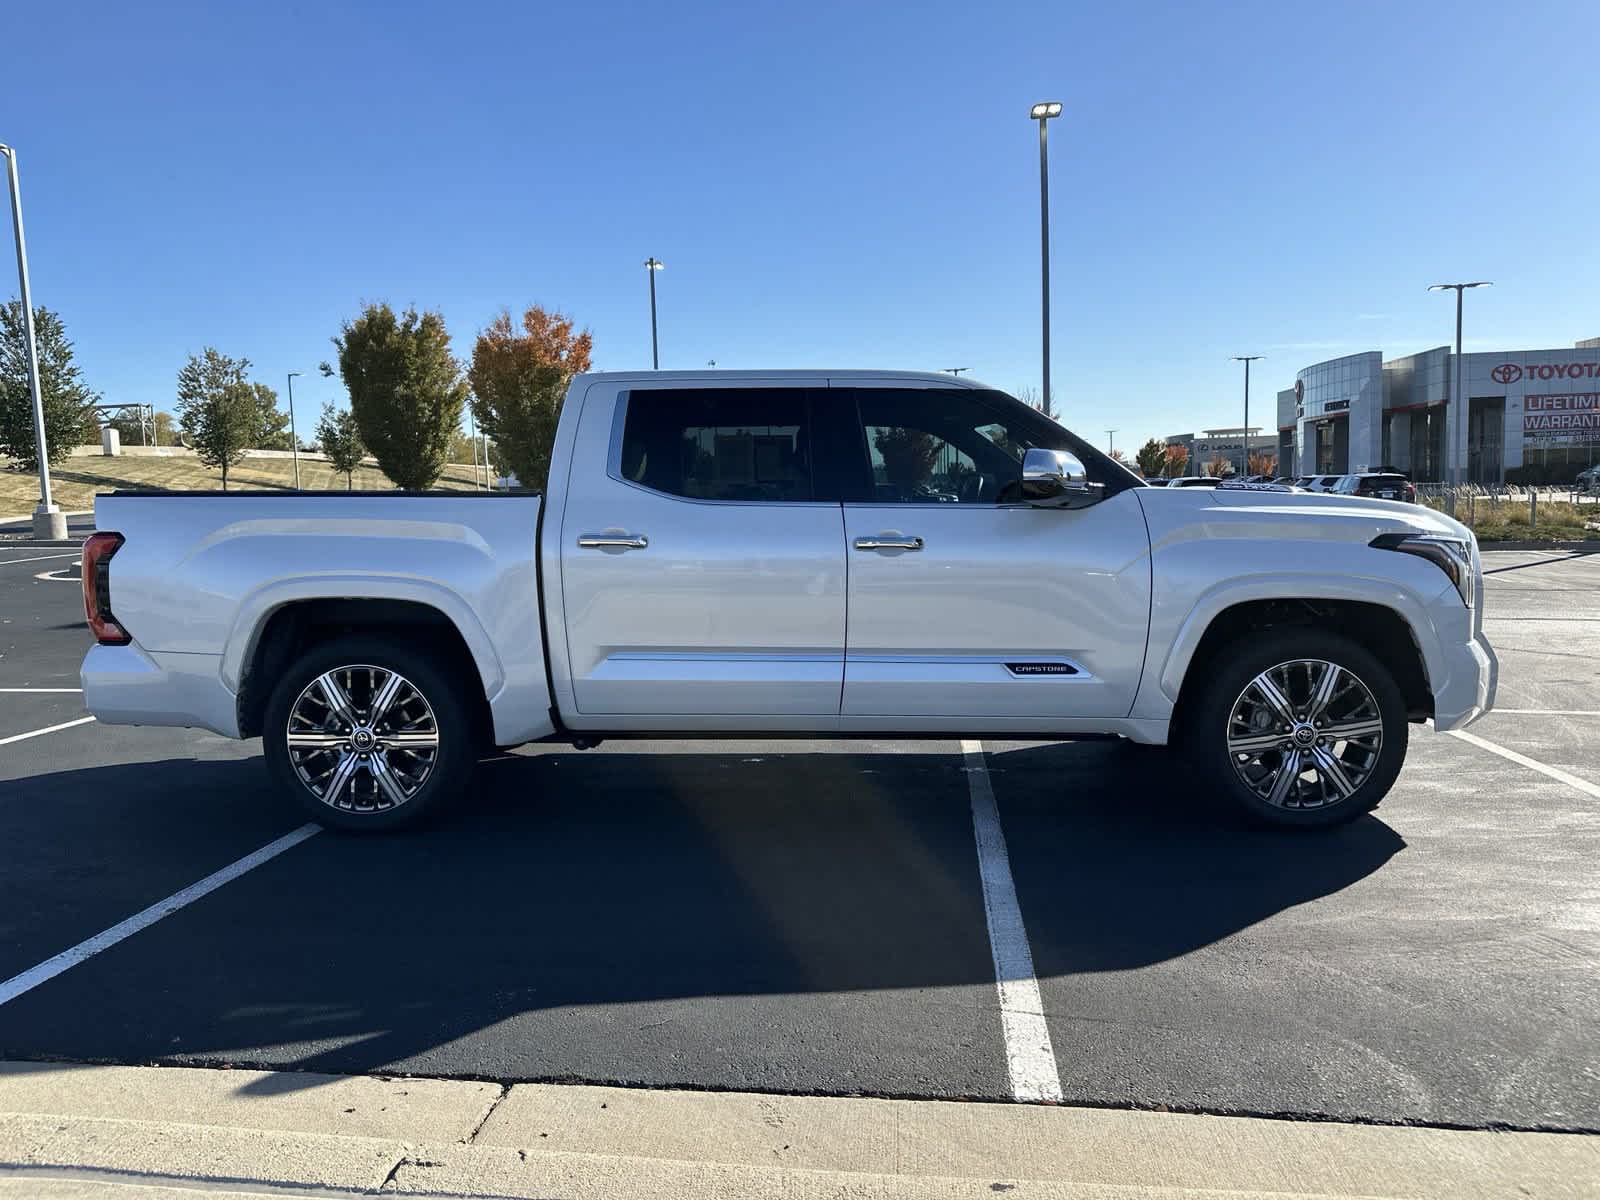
(719, 443)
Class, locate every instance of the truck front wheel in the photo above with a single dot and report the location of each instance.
(1298, 727)
(368, 734)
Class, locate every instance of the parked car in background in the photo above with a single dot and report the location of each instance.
(1320, 483)
(1588, 482)
(1195, 481)
(1158, 481)
(1380, 485)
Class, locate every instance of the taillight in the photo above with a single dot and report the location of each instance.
(97, 552)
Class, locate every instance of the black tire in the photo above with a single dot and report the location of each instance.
(1206, 724)
(452, 720)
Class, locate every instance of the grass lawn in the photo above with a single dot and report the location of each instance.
(1507, 521)
(75, 481)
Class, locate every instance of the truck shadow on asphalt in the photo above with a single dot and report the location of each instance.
(570, 885)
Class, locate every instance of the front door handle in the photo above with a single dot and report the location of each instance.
(889, 541)
(612, 541)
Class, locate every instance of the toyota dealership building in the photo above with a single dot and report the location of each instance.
(1530, 415)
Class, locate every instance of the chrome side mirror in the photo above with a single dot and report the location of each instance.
(1055, 479)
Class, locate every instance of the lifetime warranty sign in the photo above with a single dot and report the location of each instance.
(1565, 419)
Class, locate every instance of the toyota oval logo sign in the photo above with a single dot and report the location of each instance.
(1506, 373)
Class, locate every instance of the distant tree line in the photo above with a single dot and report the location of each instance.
(408, 394)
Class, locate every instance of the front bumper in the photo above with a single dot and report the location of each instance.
(1467, 673)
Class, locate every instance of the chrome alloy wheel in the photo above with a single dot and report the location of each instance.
(1305, 734)
(362, 739)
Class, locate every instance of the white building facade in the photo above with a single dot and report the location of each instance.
(1530, 416)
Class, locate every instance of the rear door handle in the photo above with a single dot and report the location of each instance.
(612, 541)
(889, 541)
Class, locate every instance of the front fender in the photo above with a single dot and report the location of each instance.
(1222, 596)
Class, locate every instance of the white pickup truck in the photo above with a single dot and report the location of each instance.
(817, 553)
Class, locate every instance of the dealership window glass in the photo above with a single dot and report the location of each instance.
(949, 447)
(719, 443)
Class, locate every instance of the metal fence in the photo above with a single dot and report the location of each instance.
(1505, 504)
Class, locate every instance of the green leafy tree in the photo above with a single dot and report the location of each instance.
(406, 391)
(519, 379)
(341, 441)
(272, 422)
(219, 410)
(221, 428)
(1152, 457)
(66, 397)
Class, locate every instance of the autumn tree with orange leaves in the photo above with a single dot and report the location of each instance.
(518, 381)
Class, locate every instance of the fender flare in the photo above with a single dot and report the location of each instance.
(1384, 592)
(254, 610)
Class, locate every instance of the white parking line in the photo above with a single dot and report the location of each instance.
(87, 949)
(29, 691)
(1546, 712)
(33, 733)
(39, 558)
(1030, 1058)
(1583, 785)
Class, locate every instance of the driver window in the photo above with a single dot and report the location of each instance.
(938, 447)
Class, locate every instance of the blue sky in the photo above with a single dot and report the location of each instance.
(828, 184)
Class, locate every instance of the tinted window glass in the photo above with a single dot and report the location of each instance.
(719, 443)
(937, 446)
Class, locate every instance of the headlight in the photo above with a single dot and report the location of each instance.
(1452, 555)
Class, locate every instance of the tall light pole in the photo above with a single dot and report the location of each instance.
(1041, 113)
(1111, 442)
(472, 433)
(1459, 418)
(49, 523)
(651, 266)
(294, 439)
(1244, 454)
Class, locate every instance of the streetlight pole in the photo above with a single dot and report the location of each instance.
(294, 439)
(1041, 113)
(1455, 424)
(1244, 453)
(49, 523)
(472, 433)
(1111, 442)
(651, 266)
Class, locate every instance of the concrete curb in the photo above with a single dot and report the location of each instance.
(1588, 546)
(76, 1131)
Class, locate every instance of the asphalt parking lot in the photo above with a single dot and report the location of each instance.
(817, 917)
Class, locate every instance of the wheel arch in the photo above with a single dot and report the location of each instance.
(1382, 630)
(289, 629)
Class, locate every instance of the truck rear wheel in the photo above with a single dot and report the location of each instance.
(1299, 728)
(368, 734)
